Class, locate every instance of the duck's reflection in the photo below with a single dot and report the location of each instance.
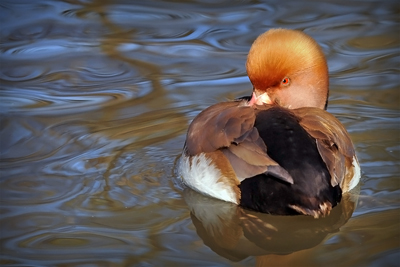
(236, 233)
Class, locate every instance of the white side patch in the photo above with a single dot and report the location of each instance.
(203, 177)
(357, 173)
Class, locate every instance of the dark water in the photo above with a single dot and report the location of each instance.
(96, 97)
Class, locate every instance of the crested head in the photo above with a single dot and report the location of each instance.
(290, 67)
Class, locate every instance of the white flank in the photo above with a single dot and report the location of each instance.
(201, 175)
(357, 173)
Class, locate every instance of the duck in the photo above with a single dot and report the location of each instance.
(278, 150)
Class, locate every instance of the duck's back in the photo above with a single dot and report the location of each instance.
(292, 147)
(269, 158)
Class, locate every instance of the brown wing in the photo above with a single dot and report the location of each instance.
(218, 126)
(229, 127)
(333, 141)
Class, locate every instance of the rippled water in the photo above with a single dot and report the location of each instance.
(96, 97)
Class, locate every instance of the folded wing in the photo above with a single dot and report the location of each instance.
(333, 141)
(229, 127)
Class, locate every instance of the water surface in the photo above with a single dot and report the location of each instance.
(96, 97)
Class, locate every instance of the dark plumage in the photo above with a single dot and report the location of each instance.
(296, 151)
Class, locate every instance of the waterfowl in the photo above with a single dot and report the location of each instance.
(277, 151)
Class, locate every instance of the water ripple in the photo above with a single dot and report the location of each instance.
(23, 190)
(93, 84)
(96, 98)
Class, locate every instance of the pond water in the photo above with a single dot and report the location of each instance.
(96, 98)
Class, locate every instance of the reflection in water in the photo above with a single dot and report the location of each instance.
(96, 97)
(235, 233)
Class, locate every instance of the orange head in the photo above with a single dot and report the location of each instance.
(288, 68)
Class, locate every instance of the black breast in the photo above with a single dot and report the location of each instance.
(296, 151)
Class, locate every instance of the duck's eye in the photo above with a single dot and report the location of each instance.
(285, 81)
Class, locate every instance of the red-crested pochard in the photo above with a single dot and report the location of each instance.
(277, 151)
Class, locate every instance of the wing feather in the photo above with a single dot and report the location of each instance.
(333, 141)
(229, 127)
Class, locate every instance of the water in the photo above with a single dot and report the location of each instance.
(96, 97)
